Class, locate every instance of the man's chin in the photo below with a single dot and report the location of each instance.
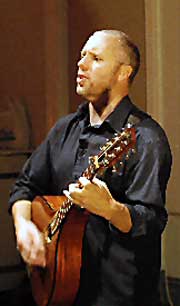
(81, 92)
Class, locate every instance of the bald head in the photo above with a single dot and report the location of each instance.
(127, 51)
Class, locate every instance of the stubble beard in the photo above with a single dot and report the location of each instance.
(91, 95)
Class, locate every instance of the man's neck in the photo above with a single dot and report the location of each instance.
(99, 114)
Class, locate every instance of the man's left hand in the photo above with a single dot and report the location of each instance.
(93, 195)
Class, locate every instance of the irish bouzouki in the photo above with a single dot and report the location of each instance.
(62, 225)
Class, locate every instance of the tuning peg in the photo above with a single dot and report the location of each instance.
(127, 157)
(133, 151)
(114, 169)
(118, 149)
(125, 142)
(111, 156)
(105, 162)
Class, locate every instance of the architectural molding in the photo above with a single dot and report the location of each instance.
(163, 91)
(153, 40)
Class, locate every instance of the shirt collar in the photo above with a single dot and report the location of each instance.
(83, 110)
(117, 119)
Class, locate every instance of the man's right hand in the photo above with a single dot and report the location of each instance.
(30, 241)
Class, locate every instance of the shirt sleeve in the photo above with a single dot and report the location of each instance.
(145, 182)
(35, 176)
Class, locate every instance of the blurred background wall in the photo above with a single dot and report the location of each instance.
(39, 47)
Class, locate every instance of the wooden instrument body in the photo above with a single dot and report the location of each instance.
(58, 282)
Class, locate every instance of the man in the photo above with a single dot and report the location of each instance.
(121, 245)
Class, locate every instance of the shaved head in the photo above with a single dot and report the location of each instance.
(131, 54)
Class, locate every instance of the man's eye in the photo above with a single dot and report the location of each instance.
(96, 58)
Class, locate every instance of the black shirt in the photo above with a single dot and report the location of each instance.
(118, 269)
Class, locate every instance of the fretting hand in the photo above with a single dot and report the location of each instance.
(96, 198)
(93, 195)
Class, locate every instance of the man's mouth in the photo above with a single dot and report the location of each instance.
(81, 78)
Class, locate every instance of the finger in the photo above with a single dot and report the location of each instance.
(67, 194)
(34, 255)
(25, 255)
(84, 181)
(36, 239)
(101, 185)
(74, 195)
(73, 185)
(37, 258)
(38, 245)
(72, 188)
(34, 259)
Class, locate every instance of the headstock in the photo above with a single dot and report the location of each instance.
(113, 151)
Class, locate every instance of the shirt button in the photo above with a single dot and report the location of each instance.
(82, 153)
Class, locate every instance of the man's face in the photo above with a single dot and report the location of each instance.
(98, 66)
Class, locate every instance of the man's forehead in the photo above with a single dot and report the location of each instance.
(98, 41)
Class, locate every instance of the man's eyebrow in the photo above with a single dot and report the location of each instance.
(92, 52)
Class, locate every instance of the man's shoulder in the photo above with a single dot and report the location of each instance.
(60, 127)
(71, 117)
(147, 127)
(151, 136)
(63, 121)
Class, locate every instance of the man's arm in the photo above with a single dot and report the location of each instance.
(144, 187)
(21, 209)
(33, 180)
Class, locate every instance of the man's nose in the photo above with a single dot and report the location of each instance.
(83, 63)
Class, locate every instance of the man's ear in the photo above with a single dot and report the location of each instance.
(125, 72)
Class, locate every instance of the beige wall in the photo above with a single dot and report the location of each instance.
(163, 92)
(33, 59)
(86, 16)
(56, 60)
(22, 58)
